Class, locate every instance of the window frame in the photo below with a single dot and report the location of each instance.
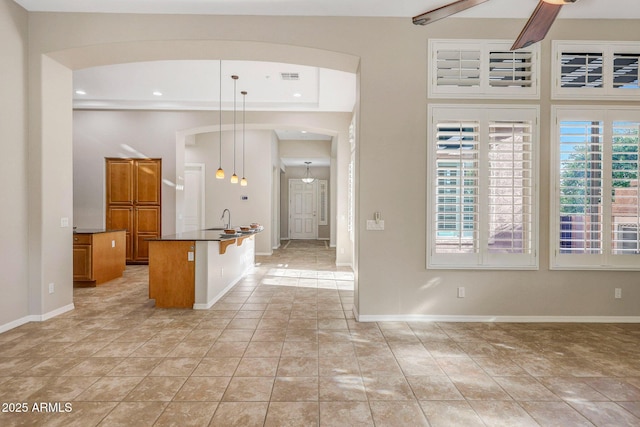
(483, 259)
(484, 90)
(608, 49)
(606, 261)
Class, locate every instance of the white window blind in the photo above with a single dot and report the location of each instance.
(596, 209)
(581, 186)
(510, 187)
(457, 188)
(458, 68)
(482, 69)
(482, 187)
(511, 69)
(625, 206)
(595, 70)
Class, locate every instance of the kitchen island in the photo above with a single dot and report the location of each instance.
(195, 269)
(98, 256)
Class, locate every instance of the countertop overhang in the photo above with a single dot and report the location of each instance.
(214, 235)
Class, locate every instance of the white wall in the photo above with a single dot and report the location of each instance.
(14, 168)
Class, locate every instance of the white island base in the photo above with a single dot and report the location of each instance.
(217, 273)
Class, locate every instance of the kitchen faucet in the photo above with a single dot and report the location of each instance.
(227, 225)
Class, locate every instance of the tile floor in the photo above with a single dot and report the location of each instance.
(282, 349)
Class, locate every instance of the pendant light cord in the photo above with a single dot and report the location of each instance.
(220, 117)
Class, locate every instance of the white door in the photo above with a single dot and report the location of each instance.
(303, 222)
(193, 197)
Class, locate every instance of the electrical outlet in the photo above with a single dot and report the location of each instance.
(52, 288)
(461, 292)
(618, 293)
(113, 243)
(221, 271)
(64, 222)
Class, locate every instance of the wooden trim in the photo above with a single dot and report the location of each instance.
(224, 244)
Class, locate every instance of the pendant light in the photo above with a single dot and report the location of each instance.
(234, 177)
(243, 181)
(308, 179)
(220, 171)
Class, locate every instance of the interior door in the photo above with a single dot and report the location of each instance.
(193, 197)
(303, 222)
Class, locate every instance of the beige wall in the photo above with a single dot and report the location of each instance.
(14, 304)
(391, 56)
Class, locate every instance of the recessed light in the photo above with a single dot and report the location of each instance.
(157, 93)
(80, 92)
(297, 95)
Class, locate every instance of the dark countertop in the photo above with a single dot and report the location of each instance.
(93, 230)
(214, 235)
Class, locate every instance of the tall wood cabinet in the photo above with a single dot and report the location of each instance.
(133, 203)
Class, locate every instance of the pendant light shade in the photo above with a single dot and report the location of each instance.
(220, 171)
(308, 179)
(234, 177)
(243, 181)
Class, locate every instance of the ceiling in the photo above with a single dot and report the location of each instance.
(595, 9)
(195, 84)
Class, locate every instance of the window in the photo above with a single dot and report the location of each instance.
(482, 187)
(595, 212)
(482, 69)
(323, 200)
(596, 70)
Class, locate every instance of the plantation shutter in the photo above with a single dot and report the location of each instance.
(625, 207)
(625, 71)
(511, 69)
(580, 187)
(457, 187)
(458, 67)
(511, 187)
(581, 69)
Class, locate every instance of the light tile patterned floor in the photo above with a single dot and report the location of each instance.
(282, 349)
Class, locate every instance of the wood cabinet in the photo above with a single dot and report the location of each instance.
(134, 203)
(98, 257)
(172, 273)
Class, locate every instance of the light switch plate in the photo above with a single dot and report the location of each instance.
(375, 226)
(64, 222)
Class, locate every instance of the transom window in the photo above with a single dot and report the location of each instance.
(482, 69)
(596, 70)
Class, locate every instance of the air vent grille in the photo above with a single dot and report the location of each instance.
(290, 76)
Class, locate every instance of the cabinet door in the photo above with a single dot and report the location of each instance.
(148, 181)
(120, 188)
(147, 226)
(82, 262)
(121, 218)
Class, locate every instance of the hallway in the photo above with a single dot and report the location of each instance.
(282, 348)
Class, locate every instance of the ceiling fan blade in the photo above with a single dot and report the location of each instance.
(444, 11)
(538, 24)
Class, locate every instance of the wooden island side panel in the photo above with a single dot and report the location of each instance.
(172, 273)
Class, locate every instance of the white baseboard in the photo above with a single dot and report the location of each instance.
(35, 318)
(264, 253)
(344, 264)
(495, 319)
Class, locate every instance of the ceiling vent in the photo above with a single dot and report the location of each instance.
(290, 76)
